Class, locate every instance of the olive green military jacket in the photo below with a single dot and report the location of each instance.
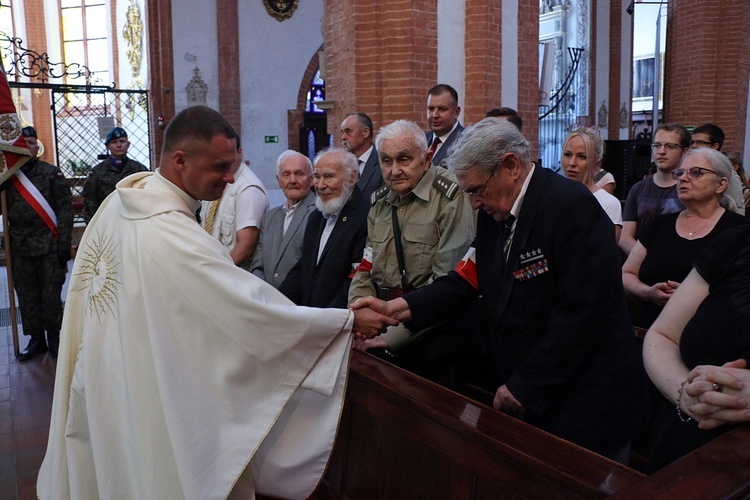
(437, 228)
(102, 180)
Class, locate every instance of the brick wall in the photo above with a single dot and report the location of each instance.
(615, 78)
(161, 68)
(483, 48)
(114, 41)
(528, 70)
(381, 59)
(227, 20)
(36, 39)
(708, 65)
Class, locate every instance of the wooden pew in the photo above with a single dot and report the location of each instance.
(404, 437)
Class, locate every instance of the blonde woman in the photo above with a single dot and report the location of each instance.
(582, 155)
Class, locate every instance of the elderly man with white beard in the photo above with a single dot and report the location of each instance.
(335, 235)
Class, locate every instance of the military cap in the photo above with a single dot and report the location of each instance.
(28, 131)
(114, 134)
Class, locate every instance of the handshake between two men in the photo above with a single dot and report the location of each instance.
(373, 316)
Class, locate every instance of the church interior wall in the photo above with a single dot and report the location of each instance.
(451, 22)
(602, 74)
(624, 63)
(382, 57)
(194, 46)
(509, 73)
(126, 78)
(273, 58)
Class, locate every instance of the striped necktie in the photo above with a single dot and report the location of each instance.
(213, 207)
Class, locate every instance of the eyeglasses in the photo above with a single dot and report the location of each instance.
(480, 191)
(700, 143)
(693, 172)
(671, 146)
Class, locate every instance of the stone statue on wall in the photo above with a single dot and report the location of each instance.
(197, 89)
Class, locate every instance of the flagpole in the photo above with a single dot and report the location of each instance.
(9, 273)
(15, 153)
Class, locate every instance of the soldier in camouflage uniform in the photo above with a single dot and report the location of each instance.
(104, 176)
(39, 258)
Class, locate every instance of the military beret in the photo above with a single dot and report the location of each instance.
(114, 134)
(28, 132)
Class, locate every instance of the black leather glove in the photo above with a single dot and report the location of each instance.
(63, 256)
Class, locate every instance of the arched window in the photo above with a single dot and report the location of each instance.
(316, 93)
(314, 135)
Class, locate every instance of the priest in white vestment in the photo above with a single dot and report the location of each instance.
(179, 374)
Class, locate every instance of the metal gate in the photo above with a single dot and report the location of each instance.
(556, 118)
(81, 115)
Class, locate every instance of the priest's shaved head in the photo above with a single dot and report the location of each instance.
(199, 151)
(196, 123)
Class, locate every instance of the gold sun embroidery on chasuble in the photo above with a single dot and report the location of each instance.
(99, 276)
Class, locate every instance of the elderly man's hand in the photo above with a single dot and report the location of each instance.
(505, 402)
(373, 343)
(396, 308)
(368, 323)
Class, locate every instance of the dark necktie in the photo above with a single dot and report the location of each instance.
(506, 236)
(435, 145)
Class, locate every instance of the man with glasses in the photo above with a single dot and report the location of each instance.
(546, 263)
(707, 135)
(712, 136)
(419, 226)
(657, 194)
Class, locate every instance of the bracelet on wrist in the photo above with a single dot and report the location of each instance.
(683, 418)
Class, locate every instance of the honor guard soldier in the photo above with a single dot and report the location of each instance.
(104, 176)
(419, 226)
(40, 220)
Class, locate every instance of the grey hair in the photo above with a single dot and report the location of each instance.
(347, 159)
(732, 198)
(401, 129)
(288, 154)
(484, 144)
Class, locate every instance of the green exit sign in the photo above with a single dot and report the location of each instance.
(271, 139)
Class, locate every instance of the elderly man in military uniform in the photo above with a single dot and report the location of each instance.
(419, 226)
(104, 176)
(40, 220)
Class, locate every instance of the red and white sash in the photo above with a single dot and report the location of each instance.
(33, 197)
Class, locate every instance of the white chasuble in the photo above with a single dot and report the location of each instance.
(178, 371)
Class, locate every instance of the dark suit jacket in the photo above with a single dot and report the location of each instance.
(562, 339)
(441, 153)
(326, 284)
(371, 177)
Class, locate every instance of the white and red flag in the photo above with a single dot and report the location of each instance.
(467, 267)
(15, 151)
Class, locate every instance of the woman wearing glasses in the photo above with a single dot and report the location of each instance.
(668, 244)
(582, 155)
